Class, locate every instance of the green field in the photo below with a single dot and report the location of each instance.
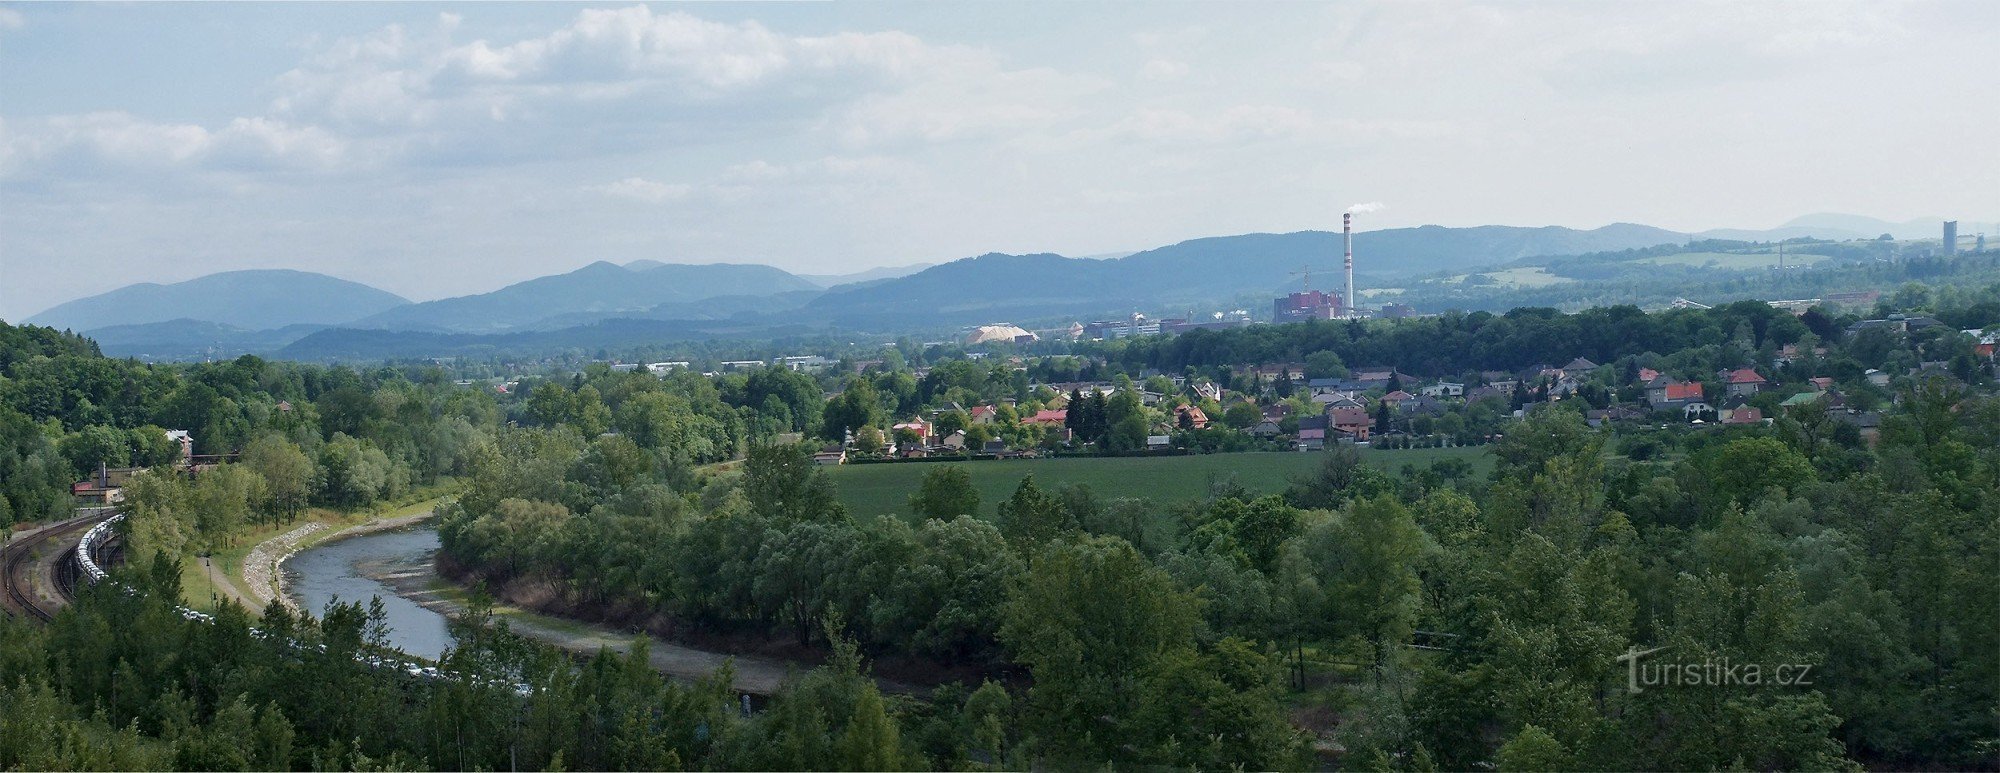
(1514, 278)
(1732, 261)
(876, 489)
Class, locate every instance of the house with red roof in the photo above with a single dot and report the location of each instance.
(1195, 416)
(1748, 414)
(921, 428)
(983, 414)
(1045, 418)
(1668, 393)
(1355, 421)
(1743, 382)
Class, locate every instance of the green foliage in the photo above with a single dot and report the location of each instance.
(946, 492)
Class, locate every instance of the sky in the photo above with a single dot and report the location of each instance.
(442, 149)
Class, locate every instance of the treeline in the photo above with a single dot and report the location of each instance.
(1736, 334)
(122, 681)
(1482, 619)
(300, 435)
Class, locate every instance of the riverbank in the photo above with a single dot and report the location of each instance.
(250, 573)
(753, 674)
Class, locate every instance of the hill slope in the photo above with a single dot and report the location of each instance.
(995, 286)
(254, 300)
(599, 287)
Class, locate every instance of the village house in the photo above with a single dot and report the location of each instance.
(1443, 389)
(1353, 420)
(1312, 433)
(1192, 416)
(1579, 368)
(1748, 414)
(1047, 418)
(1667, 393)
(1743, 382)
(918, 427)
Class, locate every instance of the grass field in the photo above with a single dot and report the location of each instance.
(1732, 261)
(1513, 278)
(877, 489)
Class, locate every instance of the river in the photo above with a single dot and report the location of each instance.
(344, 570)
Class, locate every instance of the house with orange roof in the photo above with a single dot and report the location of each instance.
(1743, 382)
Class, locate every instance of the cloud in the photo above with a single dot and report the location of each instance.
(644, 190)
(107, 142)
(1163, 69)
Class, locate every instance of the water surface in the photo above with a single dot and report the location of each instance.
(345, 569)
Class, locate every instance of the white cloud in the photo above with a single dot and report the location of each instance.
(1163, 69)
(644, 190)
(106, 142)
(11, 19)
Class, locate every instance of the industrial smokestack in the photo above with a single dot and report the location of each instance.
(1347, 243)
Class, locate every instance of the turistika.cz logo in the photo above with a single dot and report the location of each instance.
(1713, 672)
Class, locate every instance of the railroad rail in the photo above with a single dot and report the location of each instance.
(24, 558)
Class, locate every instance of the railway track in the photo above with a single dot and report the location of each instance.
(43, 559)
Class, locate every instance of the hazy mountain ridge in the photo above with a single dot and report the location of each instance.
(600, 287)
(193, 339)
(1206, 269)
(728, 299)
(259, 299)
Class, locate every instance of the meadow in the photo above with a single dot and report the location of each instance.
(875, 489)
(1733, 261)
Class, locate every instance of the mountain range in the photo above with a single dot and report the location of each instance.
(253, 300)
(601, 287)
(271, 311)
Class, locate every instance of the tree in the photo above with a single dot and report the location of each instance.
(783, 483)
(1533, 749)
(1032, 516)
(945, 493)
(1367, 561)
(868, 440)
(1090, 621)
(1242, 416)
(94, 446)
(1323, 364)
(287, 472)
(1129, 434)
(855, 407)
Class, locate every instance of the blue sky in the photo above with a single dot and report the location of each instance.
(441, 149)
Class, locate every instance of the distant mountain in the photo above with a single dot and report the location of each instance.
(720, 307)
(1864, 227)
(192, 339)
(600, 287)
(348, 344)
(871, 275)
(252, 300)
(997, 287)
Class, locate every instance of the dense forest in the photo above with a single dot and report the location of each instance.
(1360, 619)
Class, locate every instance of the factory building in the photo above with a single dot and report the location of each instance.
(1302, 306)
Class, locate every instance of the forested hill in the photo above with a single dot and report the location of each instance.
(996, 285)
(20, 342)
(253, 300)
(598, 287)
